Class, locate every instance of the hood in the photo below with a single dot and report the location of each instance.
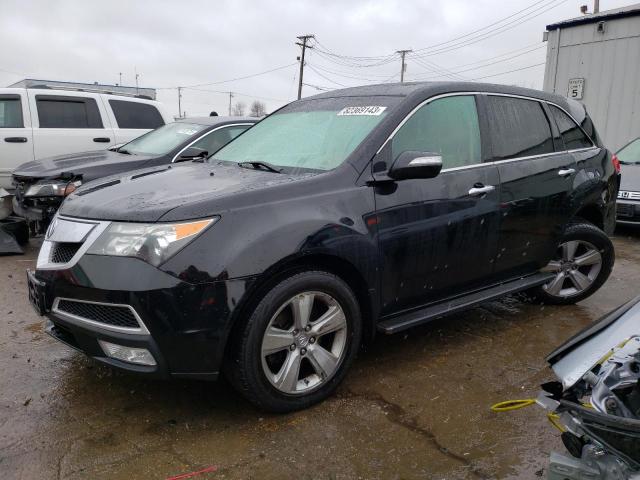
(89, 165)
(192, 190)
(581, 353)
(630, 178)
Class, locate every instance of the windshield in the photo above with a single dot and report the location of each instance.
(162, 140)
(311, 135)
(630, 153)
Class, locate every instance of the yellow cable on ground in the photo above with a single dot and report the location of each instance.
(512, 405)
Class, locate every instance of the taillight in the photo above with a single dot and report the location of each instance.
(616, 162)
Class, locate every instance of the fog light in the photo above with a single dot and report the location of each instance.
(140, 356)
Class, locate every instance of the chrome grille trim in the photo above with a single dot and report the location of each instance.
(69, 230)
(141, 330)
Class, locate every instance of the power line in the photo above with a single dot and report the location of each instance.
(484, 65)
(482, 28)
(231, 79)
(509, 71)
(489, 34)
(235, 93)
(325, 77)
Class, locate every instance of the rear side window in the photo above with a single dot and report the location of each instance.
(10, 111)
(519, 128)
(572, 135)
(214, 141)
(136, 115)
(67, 112)
(448, 126)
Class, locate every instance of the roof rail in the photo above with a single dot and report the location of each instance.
(45, 86)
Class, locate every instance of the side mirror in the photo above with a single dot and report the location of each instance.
(192, 153)
(412, 164)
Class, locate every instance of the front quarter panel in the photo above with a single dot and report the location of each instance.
(248, 241)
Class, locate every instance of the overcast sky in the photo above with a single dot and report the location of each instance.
(186, 43)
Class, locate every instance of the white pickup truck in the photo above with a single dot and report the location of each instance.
(42, 122)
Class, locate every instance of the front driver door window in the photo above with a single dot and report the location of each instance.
(437, 236)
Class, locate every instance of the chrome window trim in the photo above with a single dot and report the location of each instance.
(229, 125)
(469, 93)
(44, 256)
(142, 330)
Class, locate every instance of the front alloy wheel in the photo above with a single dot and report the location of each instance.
(297, 343)
(304, 343)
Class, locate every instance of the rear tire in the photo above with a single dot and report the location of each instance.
(297, 345)
(583, 262)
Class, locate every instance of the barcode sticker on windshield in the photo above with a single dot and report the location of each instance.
(187, 131)
(369, 110)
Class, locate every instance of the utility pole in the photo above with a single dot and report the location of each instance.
(403, 68)
(135, 69)
(304, 39)
(596, 6)
(179, 102)
(120, 79)
(230, 97)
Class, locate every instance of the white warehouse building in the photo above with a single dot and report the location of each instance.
(596, 59)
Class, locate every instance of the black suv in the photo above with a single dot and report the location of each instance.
(370, 209)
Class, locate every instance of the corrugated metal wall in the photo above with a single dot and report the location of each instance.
(610, 64)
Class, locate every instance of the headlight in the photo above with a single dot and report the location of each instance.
(152, 242)
(53, 188)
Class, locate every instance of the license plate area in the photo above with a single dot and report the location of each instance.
(37, 293)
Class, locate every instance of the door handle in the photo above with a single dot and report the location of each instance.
(102, 139)
(15, 139)
(566, 172)
(481, 190)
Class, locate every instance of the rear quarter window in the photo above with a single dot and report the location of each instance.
(136, 115)
(518, 128)
(572, 135)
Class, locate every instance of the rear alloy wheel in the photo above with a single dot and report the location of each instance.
(576, 269)
(298, 343)
(582, 264)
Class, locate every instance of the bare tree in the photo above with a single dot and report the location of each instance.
(238, 109)
(258, 109)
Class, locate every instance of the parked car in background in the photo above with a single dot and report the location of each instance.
(41, 185)
(41, 122)
(375, 208)
(628, 207)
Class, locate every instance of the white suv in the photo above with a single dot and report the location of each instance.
(42, 122)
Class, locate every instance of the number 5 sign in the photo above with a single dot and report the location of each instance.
(576, 86)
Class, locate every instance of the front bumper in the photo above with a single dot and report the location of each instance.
(185, 326)
(628, 212)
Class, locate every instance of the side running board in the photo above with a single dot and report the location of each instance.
(403, 321)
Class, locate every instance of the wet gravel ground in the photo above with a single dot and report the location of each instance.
(415, 405)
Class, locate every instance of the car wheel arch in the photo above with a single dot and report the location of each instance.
(336, 265)
(592, 213)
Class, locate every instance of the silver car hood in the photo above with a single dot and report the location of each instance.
(573, 360)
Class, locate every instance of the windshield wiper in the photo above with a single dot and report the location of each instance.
(258, 164)
(122, 150)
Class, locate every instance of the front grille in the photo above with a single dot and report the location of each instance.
(63, 252)
(114, 315)
(625, 209)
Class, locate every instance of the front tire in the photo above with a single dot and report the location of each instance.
(582, 264)
(297, 345)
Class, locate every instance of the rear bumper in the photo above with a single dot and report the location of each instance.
(185, 326)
